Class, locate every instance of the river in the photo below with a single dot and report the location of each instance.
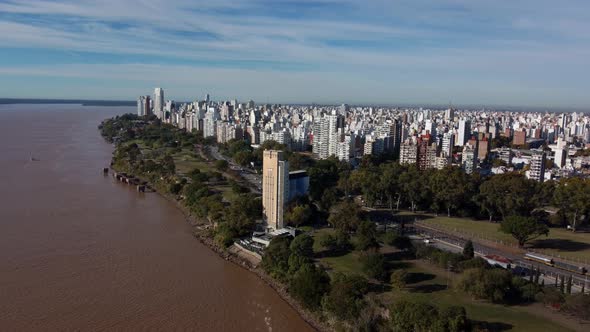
(79, 251)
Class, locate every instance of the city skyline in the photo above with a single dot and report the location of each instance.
(527, 53)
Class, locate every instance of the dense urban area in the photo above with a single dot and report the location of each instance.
(381, 218)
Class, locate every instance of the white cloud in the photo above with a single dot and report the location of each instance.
(523, 44)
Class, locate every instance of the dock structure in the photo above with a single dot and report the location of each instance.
(140, 186)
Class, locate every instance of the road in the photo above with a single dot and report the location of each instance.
(254, 179)
(453, 243)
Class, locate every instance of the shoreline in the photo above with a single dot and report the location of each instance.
(209, 243)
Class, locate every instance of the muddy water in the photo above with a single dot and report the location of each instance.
(81, 252)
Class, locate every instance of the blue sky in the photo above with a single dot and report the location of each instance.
(484, 52)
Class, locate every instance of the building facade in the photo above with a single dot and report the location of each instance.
(275, 188)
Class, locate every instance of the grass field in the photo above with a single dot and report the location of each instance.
(186, 161)
(560, 242)
(430, 284)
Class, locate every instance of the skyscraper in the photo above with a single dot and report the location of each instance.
(537, 170)
(143, 106)
(211, 117)
(159, 103)
(275, 188)
(469, 158)
(463, 132)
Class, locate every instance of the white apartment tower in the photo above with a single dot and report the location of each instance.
(209, 124)
(537, 169)
(159, 103)
(469, 158)
(463, 132)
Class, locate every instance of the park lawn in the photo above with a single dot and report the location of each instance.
(431, 287)
(560, 242)
(316, 235)
(226, 191)
(347, 264)
(185, 163)
(434, 285)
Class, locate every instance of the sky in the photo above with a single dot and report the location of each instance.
(465, 52)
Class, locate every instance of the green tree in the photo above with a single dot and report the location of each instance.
(507, 194)
(453, 319)
(243, 158)
(450, 188)
(296, 262)
(401, 242)
(302, 245)
(489, 284)
(572, 195)
(275, 260)
(221, 165)
(398, 279)
(298, 215)
(308, 285)
(373, 264)
(345, 216)
(366, 236)
(468, 251)
(323, 175)
(390, 181)
(339, 241)
(168, 165)
(243, 212)
(413, 316)
(523, 229)
(413, 187)
(345, 299)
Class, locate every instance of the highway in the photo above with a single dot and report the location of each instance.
(453, 243)
(253, 179)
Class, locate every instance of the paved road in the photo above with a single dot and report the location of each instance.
(453, 243)
(254, 179)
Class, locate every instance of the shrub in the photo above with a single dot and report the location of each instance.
(399, 279)
(374, 265)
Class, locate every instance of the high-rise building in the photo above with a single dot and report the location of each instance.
(209, 124)
(448, 142)
(537, 167)
(519, 138)
(275, 188)
(335, 122)
(449, 113)
(469, 158)
(505, 154)
(408, 153)
(483, 148)
(143, 106)
(159, 103)
(463, 133)
(426, 153)
(560, 156)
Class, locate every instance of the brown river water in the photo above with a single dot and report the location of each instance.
(81, 252)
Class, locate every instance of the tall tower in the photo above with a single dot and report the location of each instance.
(463, 133)
(159, 102)
(537, 167)
(275, 188)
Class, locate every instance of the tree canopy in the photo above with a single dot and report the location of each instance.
(523, 229)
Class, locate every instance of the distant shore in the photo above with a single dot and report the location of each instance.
(83, 102)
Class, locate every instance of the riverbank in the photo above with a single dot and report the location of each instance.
(200, 230)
